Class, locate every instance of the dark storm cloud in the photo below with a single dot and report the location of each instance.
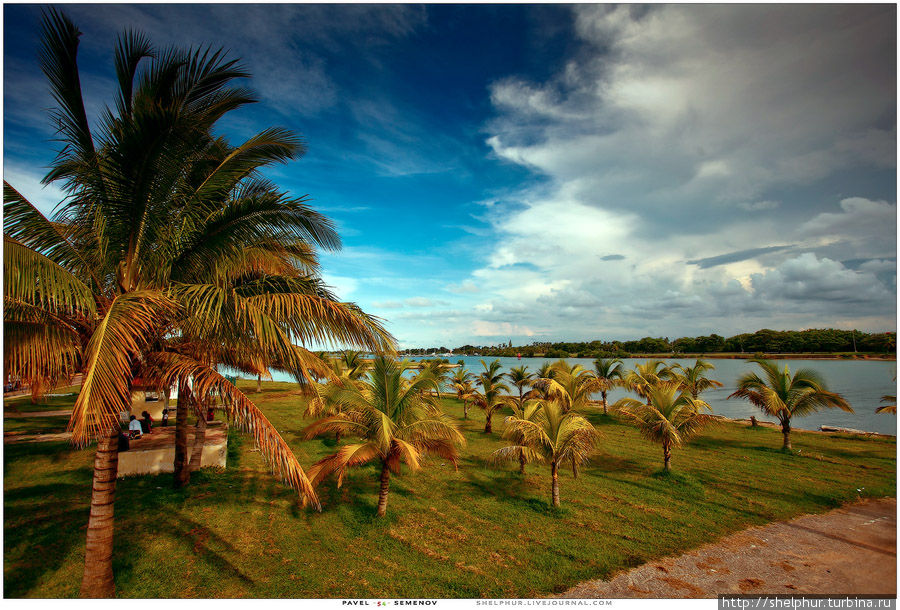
(733, 257)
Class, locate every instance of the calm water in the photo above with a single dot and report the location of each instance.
(862, 383)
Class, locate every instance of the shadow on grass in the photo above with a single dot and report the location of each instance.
(199, 541)
(39, 537)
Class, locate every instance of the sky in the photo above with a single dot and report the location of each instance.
(552, 172)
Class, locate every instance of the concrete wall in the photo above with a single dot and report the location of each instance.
(155, 461)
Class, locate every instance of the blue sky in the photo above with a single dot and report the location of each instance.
(553, 172)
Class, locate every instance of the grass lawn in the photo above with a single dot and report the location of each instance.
(478, 532)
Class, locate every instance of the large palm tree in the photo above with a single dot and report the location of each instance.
(492, 396)
(461, 382)
(521, 378)
(669, 418)
(396, 420)
(693, 378)
(609, 373)
(551, 434)
(781, 395)
(169, 257)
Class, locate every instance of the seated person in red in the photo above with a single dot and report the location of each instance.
(146, 423)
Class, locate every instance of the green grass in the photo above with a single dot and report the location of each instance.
(481, 531)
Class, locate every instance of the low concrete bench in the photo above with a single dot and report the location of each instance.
(154, 453)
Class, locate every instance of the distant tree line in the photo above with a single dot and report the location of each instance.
(810, 341)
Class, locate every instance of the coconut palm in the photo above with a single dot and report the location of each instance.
(644, 376)
(693, 378)
(670, 417)
(396, 420)
(890, 405)
(570, 386)
(353, 363)
(529, 411)
(461, 382)
(438, 371)
(492, 392)
(609, 373)
(541, 380)
(169, 256)
(521, 378)
(552, 435)
(781, 395)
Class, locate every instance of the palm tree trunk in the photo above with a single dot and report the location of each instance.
(97, 580)
(522, 462)
(182, 472)
(487, 421)
(603, 395)
(465, 409)
(786, 432)
(555, 487)
(383, 495)
(258, 384)
(667, 456)
(574, 468)
(199, 441)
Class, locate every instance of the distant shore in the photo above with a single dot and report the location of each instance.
(691, 356)
(745, 356)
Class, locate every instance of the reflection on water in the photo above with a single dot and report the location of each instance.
(862, 383)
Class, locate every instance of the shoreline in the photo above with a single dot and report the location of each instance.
(692, 356)
(836, 429)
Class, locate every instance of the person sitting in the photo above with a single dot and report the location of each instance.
(123, 442)
(134, 428)
(146, 422)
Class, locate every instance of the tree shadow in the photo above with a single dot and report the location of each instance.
(39, 537)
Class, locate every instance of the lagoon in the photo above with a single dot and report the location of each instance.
(862, 383)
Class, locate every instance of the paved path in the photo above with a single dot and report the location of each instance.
(848, 550)
(39, 413)
(22, 437)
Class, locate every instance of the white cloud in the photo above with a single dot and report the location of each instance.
(343, 286)
(465, 287)
(657, 144)
(423, 302)
(758, 206)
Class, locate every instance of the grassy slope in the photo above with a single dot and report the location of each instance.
(481, 531)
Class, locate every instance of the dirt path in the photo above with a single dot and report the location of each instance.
(848, 550)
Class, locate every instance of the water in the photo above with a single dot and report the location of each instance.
(861, 382)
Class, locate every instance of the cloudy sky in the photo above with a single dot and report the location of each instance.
(554, 172)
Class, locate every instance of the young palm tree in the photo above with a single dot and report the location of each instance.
(353, 364)
(670, 417)
(693, 378)
(529, 411)
(553, 436)
(397, 422)
(890, 405)
(609, 374)
(570, 386)
(645, 376)
(784, 396)
(170, 256)
(521, 378)
(492, 395)
(542, 378)
(461, 382)
(438, 371)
